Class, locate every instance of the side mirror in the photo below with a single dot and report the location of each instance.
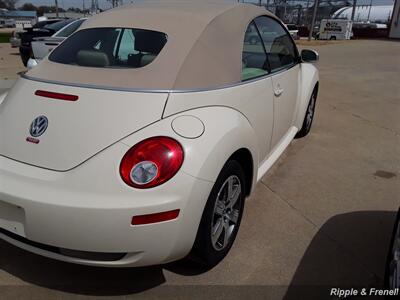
(309, 55)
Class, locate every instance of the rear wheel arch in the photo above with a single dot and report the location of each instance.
(310, 82)
(244, 157)
(309, 115)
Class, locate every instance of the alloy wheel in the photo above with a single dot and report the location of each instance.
(310, 112)
(226, 213)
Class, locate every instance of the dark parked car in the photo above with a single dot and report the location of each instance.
(293, 30)
(41, 29)
(15, 39)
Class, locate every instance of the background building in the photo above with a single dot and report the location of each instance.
(66, 15)
(17, 16)
(366, 13)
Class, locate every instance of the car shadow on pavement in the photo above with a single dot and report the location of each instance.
(84, 280)
(349, 251)
(77, 279)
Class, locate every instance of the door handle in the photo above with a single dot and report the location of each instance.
(278, 92)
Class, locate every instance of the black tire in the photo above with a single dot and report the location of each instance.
(25, 60)
(333, 38)
(309, 116)
(204, 251)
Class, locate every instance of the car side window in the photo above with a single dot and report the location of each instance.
(281, 51)
(254, 58)
(126, 46)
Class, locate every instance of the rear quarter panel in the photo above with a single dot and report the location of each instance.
(252, 100)
(206, 155)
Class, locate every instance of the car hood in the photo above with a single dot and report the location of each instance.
(77, 130)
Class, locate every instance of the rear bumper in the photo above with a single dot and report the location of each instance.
(84, 215)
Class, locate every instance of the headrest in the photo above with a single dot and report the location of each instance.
(147, 59)
(92, 58)
(149, 41)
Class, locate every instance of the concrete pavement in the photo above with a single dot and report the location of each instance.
(10, 62)
(321, 218)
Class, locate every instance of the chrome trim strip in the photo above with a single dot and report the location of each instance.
(92, 86)
(121, 89)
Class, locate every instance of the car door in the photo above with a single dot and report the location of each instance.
(257, 88)
(285, 71)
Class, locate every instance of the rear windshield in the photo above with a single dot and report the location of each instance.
(110, 48)
(58, 25)
(69, 29)
(41, 24)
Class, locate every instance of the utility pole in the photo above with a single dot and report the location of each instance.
(56, 8)
(94, 7)
(306, 14)
(316, 4)
(354, 10)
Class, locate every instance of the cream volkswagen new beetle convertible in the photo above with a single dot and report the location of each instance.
(137, 140)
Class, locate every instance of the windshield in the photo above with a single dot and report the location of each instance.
(69, 29)
(58, 25)
(110, 48)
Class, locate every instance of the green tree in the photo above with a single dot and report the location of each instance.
(28, 6)
(8, 4)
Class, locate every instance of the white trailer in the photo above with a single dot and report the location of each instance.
(8, 23)
(335, 29)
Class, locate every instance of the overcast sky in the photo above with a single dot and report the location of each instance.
(105, 4)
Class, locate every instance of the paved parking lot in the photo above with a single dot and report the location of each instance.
(321, 218)
(10, 62)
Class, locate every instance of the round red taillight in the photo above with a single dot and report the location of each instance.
(151, 162)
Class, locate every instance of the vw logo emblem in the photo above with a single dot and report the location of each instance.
(38, 126)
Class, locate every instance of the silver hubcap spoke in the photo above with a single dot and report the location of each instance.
(233, 194)
(227, 234)
(310, 111)
(217, 231)
(219, 208)
(234, 216)
(226, 213)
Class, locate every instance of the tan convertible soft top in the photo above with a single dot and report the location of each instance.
(203, 51)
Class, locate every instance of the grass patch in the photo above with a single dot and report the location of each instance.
(5, 37)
